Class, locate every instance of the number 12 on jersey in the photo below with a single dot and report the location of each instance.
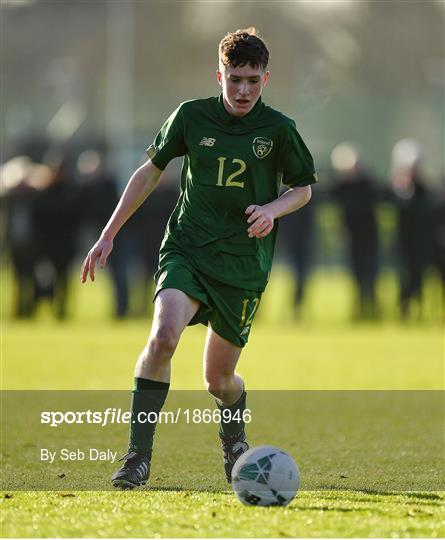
(230, 181)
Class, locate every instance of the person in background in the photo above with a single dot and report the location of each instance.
(55, 221)
(18, 197)
(356, 195)
(439, 236)
(98, 197)
(297, 233)
(414, 222)
(152, 216)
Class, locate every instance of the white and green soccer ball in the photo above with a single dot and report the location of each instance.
(265, 476)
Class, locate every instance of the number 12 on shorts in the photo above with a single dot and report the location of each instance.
(248, 311)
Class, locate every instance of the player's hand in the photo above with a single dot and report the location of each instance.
(261, 220)
(101, 249)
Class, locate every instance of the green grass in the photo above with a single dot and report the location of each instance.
(191, 514)
(324, 352)
(372, 441)
(101, 355)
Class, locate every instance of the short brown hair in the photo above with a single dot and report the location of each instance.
(243, 47)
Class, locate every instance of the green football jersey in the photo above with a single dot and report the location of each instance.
(229, 163)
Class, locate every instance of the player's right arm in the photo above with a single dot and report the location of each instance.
(143, 181)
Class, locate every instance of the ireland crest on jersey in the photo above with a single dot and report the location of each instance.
(261, 147)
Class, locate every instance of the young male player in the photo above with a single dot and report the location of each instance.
(217, 252)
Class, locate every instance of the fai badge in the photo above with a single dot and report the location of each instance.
(261, 147)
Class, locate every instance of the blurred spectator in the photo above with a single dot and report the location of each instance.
(55, 222)
(355, 193)
(98, 199)
(297, 238)
(439, 235)
(415, 221)
(41, 221)
(146, 230)
(136, 248)
(18, 200)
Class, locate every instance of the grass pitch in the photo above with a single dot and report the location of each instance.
(191, 514)
(322, 353)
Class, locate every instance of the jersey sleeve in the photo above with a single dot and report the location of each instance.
(297, 163)
(169, 142)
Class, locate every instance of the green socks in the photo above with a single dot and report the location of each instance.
(232, 422)
(147, 397)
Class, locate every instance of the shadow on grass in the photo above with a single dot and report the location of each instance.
(434, 497)
(431, 498)
(185, 490)
(412, 494)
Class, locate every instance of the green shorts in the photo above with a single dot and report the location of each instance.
(229, 310)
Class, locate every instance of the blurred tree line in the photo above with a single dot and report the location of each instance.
(366, 71)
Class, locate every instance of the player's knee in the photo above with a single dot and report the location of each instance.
(164, 341)
(218, 385)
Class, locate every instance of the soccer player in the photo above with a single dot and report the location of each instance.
(217, 252)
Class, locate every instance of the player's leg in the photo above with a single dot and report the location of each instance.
(173, 311)
(220, 360)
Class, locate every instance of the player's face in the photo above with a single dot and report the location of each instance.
(241, 87)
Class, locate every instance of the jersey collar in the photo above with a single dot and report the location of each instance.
(246, 120)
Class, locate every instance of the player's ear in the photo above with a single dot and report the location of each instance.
(266, 78)
(219, 77)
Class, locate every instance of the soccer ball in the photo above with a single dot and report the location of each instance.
(265, 476)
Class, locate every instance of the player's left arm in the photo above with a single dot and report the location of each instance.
(261, 218)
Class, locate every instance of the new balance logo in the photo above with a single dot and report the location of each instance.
(207, 141)
(245, 331)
